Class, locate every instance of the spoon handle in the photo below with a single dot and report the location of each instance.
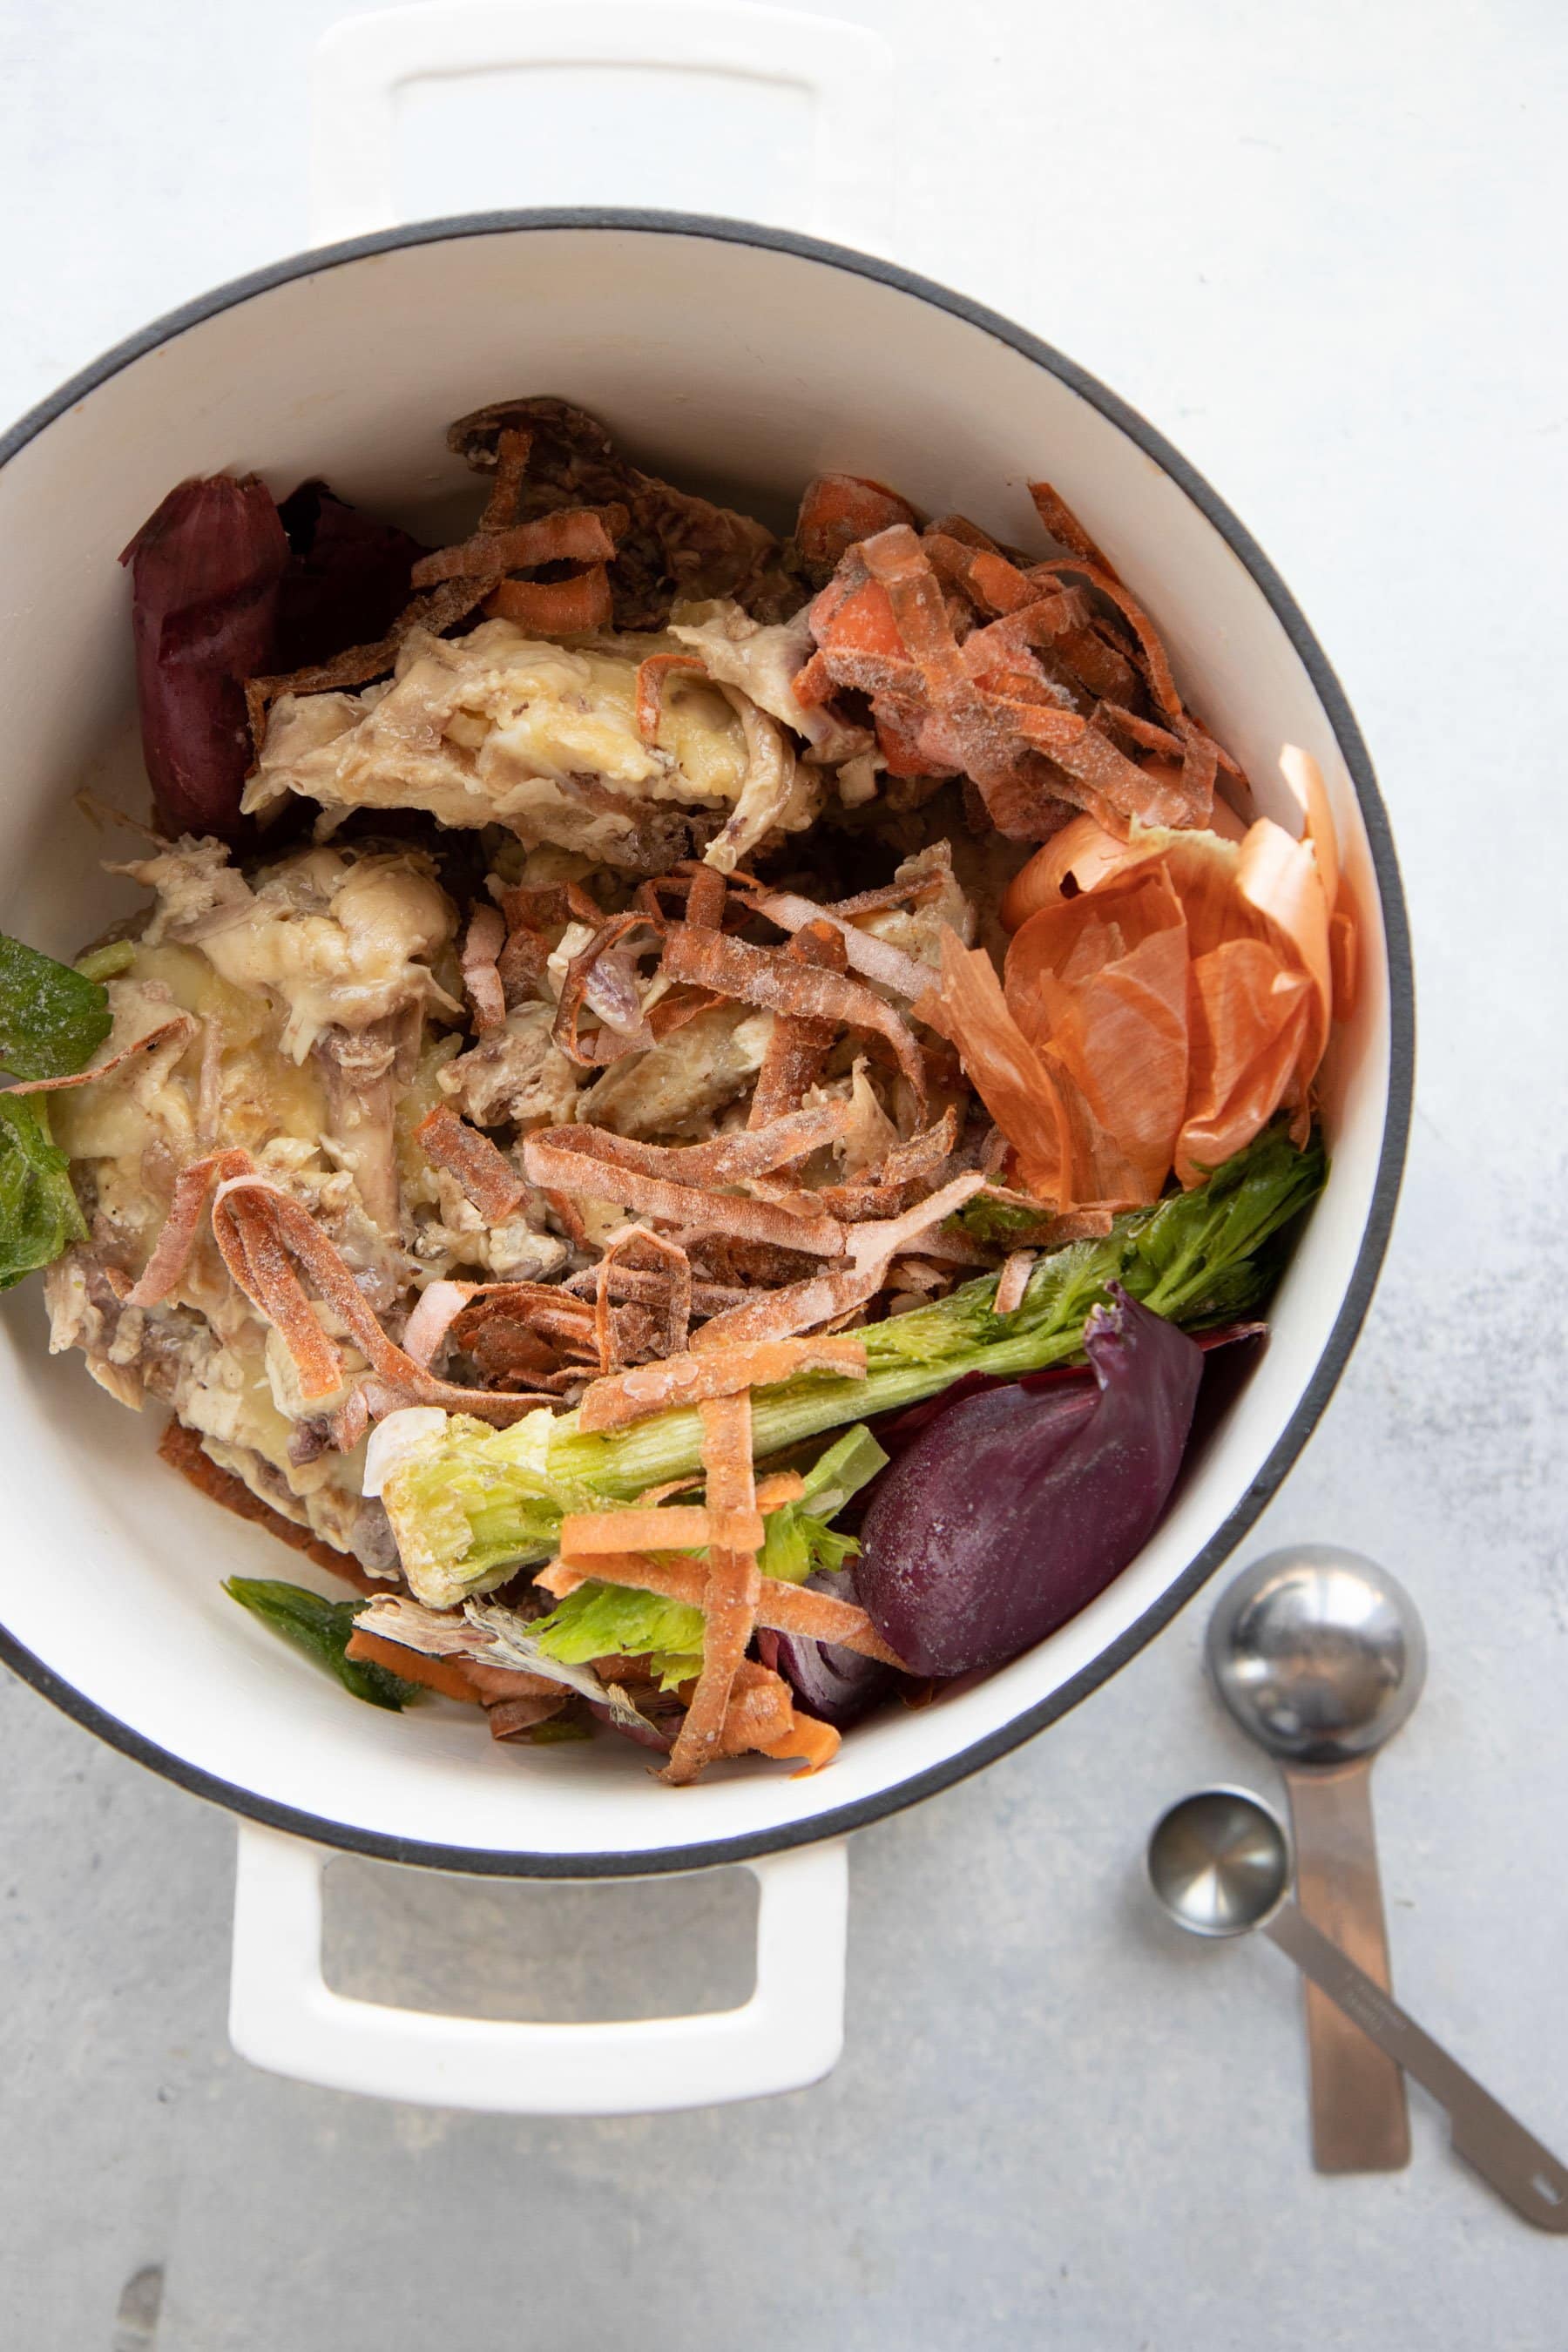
(1534, 2183)
(1360, 2122)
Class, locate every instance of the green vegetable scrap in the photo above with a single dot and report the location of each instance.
(104, 962)
(1006, 1223)
(798, 1540)
(322, 1629)
(472, 1502)
(52, 1022)
(599, 1619)
(52, 1019)
(39, 1214)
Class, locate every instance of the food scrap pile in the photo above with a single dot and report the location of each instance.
(641, 1028)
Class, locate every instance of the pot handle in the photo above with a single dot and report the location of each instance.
(846, 70)
(284, 2017)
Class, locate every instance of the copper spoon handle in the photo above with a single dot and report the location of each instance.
(1519, 2168)
(1361, 2121)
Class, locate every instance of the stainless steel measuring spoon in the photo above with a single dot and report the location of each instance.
(1219, 1863)
(1321, 1656)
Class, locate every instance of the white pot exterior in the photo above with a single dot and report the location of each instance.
(721, 355)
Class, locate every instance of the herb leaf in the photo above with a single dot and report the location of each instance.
(39, 1215)
(52, 1020)
(322, 1630)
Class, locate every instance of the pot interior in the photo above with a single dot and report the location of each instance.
(743, 366)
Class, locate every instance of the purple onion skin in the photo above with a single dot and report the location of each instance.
(347, 579)
(205, 573)
(227, 586)
(1012, 1511)
(834, 1684)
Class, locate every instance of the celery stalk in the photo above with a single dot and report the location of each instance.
(470, 1506)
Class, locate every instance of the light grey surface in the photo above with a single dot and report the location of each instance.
(1321, 247)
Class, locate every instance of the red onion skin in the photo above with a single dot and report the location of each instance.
(347, 579)
(1012, 1511)
(227, 586)
(834, 1684)
(205, 571)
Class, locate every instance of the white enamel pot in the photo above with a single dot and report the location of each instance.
(726, 354)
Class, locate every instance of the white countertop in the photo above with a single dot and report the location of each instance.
(1319, 248)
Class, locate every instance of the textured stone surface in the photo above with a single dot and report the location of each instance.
(1317, 246)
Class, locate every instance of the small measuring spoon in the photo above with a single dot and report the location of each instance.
(1321, 1656)
(1219, 1863)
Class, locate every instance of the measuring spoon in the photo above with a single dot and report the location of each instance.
(1219, 1861)
(1321, 1656)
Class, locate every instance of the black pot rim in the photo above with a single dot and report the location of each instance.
(714, 1853)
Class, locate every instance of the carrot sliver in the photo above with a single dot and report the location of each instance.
(556, 608)
(678, 1527)
(837, 509)
(486, 1176)
(720, 1371)
(817, 1744)
(729, 1600)
(783, 1608)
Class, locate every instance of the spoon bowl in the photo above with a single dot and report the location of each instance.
(1318, 1652)
(1219, 1861)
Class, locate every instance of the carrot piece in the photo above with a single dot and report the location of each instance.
(557, 1163)
(1066, 529)
(815, 1743)
(447, 1676)
(651, 675)
(173, 1032)
(780, 1487)
(730, 1601)
(1344, 952)
(760, 1712)
(855, 617)
(482, 943)
(1013, 1281)
(487, 1177)
(671, 1526)
(769, 978)
(797, 1048)
(556, 608)
(570, 535)
(836, 510)
(785, 1608)
(513, 448)
(677, 1293)
(172, 1251)
(687, 1380)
